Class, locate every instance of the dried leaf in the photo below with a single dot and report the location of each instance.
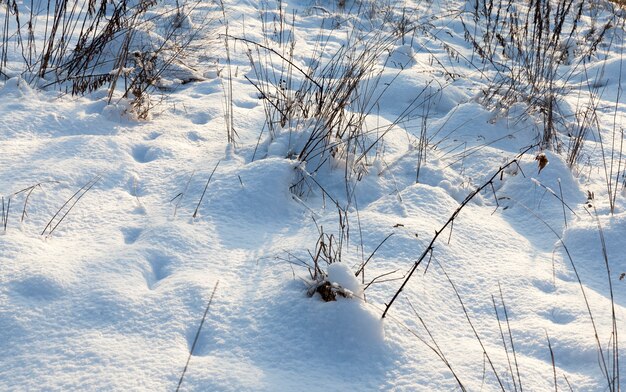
(543, 161)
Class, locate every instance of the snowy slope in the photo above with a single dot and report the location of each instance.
(110, 295)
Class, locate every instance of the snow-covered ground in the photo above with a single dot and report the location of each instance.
(118, 233)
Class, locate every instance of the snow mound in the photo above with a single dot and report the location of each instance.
(402, 57)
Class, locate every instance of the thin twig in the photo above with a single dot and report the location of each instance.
(469, 320)
(182, 194)
(562, 203)
(195, 340)
(372, 255)
(381, 281)
(436, 349)
(205, 187)
(506, 349)
(508, 325)
(5, 217)
(449, 222)
(614, 384)
(556, 387)
(306, 75)
(76, 197)
(602, 359)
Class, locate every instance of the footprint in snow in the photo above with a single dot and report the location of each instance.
(200, 118)
(195, 137)
(205, 88)
(38, 288)
(153, 135)
(131, 234)
(144, 154)
(246, 104)
(544, 285)
(159, 269)
(560, 316)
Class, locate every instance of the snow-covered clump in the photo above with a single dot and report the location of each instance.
(341, 274)
(402, 57)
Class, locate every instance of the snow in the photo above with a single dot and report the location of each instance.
(112, 297)
(341, 274)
